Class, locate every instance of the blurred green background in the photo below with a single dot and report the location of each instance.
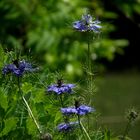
(42, 29)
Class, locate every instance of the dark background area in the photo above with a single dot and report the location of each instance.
(127, 28)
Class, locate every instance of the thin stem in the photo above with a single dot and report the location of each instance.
(89, 68)
(126, 129)
(83, 128)
(88, 54)
(62, 105)
(79, 121)
(67, 136)
(28, 107)
(21, 119)
(61, 100)
(31, 114)
(80, 125)
(88, 122)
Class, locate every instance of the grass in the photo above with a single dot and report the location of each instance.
(116, 93)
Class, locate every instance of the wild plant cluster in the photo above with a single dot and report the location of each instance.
(38, 104)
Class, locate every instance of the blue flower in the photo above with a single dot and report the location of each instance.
(87, 24)
(18, 68)
(66, 127)
(8, 68)
(81, 110)
(69, 110)
(80, 26)
(60, 88)
(26, 66)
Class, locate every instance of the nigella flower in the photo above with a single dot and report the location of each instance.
(81, 110)
(66, 127)
(60, 88)
(87, 24)
(69, 110)
(18, 68)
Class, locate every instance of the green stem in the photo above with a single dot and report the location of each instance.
(88, 55)
(21, 118)
(83, 128)
(88, 123)
(126, 129)
(28, 107)
(89, 68)
(61, 100)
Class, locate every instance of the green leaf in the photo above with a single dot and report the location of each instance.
(9, 125)
(107, 135)
(1, 56)
(31, 126)
(3, 100)
(58, 117)
(26, 87)
(39, 96)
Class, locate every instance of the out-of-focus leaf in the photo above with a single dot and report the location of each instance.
(31, 127)
(26, 87)
(9, 125)
(38, 96)
(3, 100)
(58, 117)
(137, 8)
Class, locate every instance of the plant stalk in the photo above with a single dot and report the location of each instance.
(28, 107)
(61, 100)
(83, 128)
(89, 68)
(126, 129)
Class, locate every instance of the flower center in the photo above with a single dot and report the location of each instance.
(59, 82)
(15, 62)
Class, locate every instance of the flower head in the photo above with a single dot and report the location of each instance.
(60, 88)
(8, 68)
(66, 127)
(87, 24)
(81, 110)
(69, 110)
(17, 68)
(132, 114)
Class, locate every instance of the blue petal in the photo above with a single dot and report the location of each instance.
(87, 18)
